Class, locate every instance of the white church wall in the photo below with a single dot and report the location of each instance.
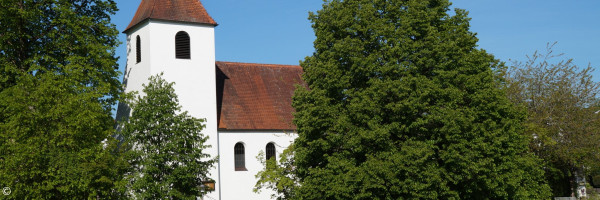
(194, 78)
(195, 86)
(238, 185)
(136, 73)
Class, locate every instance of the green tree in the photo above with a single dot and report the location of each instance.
(58, 83)
(278, 176)
(401, 104)
(165, 146)
(563, 121)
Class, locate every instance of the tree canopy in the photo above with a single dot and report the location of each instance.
(58, 83)
(402, 104)
(165, 146)
(563, 121)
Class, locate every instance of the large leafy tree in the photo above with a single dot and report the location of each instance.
(401, 104)
(563, 120)
(58, 83)
(165, 146)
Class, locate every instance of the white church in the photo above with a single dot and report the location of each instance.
(247, 106)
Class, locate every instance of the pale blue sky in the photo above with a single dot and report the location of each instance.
(278, 31)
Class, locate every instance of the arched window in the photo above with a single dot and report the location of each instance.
(239, 156)
(270, 151)
(182, 45)
(138, 50)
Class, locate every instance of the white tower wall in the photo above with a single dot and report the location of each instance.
(194, 78)
(137, 74)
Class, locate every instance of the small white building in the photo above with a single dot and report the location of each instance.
(247, 106)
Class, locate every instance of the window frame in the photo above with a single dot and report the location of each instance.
(239, 157)
(138, 49)
(183, 46)
(272, 151)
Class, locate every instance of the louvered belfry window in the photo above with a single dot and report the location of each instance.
(270, 151)
(182, 45)
(239, 156)
(138, 50)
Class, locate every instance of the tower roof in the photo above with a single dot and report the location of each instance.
(191, 11)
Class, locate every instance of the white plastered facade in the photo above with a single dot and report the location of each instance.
(195, 86)
(238, 185)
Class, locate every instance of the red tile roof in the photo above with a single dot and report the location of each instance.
(173, 10)
(256, 96)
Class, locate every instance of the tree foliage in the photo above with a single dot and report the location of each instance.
(58, 83)
(72, 38)
(563, 121)
(278, 176)
(401, 104)
(165, 146)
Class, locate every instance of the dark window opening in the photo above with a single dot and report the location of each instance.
(182, 45)
(270, 151)
(239, 156)
(138, 50)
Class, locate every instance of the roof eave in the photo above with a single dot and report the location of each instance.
(166, 20)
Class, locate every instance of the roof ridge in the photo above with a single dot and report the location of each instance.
(261, 64)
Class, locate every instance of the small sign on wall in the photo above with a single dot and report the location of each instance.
(209, 185)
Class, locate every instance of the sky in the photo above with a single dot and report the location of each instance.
(279, 32)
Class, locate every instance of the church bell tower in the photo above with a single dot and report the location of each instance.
(177, 38)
